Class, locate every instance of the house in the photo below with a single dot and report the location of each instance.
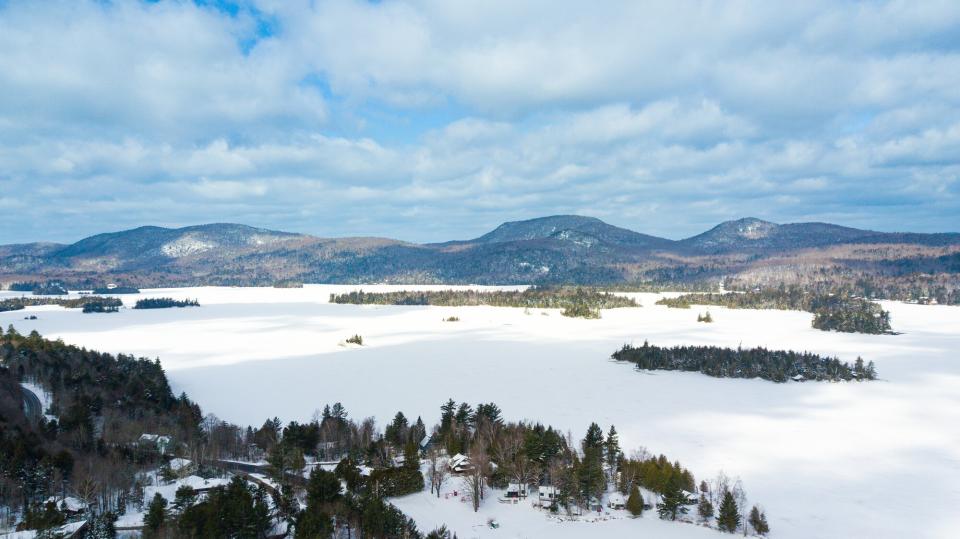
(616, 501)
(547, 496)
(459, 463)
(182, 467)
(69, 505)
(594, 505)
(516, 490)
(154, 441)
(692, 499)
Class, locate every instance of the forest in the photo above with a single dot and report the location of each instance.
(773, 365)
(575, 301)
(85, 442)
(165, 303)
(831, 311)
(85, 445)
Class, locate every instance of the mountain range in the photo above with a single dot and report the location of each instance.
(555, 249)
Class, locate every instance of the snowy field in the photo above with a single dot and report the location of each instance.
(825, 460)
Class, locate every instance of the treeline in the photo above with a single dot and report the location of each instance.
(97, 303)
(832, 312)
(40, 288)
(578, 302)
(773, 365)
(925, 287)
(165, 303)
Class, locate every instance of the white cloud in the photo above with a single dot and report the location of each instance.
(376, 118)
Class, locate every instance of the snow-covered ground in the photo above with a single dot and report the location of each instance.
(875, 459)
(522, 520)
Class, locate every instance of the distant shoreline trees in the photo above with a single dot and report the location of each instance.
(16, 304)
(575, 302)
(772, 365)
(832, 312)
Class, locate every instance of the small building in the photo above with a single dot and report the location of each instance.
(798, 378)
(182, 467)
(616, 501)
(158, 442)
(459, 463)
(594, 505)
(547, 496)
(68, 505)
(516, 490)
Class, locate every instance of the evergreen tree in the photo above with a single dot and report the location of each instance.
(635, 502)
(312, 523)
(156, 514)
(612, 446)
(672, 503)
(396, 431)
(594, 437)
(758, 521)
(411, 456)
(183, 499)
(323, 488)
(102, 527)
(728, 519)
(704, 508)
(446, 416)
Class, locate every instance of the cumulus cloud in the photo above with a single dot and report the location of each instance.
(429, 120)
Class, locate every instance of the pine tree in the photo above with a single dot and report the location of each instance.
(674, 502)
(635, 502)
(729, 518)
(102, 527)
(705, 508)
(594, 437)
(613, 450)
(156, 513)
(411, 456)
(758, 521)
(183, 498)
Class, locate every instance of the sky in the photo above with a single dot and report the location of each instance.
(434, 120)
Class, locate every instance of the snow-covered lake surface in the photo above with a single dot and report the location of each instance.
(877, 459)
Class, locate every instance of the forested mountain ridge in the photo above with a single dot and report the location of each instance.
(562, 249)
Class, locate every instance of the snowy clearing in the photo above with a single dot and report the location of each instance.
(878, 459)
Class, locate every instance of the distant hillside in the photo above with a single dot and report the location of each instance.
(574, 228)
(567, 249)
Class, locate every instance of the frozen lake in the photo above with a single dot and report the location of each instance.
(877, 459)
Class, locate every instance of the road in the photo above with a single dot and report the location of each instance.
(31, 406)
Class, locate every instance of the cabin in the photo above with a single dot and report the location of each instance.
(547, 496)
(459, 463)
(616, 501)
(798, 378)
(516, 490)
(594, 505)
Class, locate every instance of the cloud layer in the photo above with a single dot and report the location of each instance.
(430, 120)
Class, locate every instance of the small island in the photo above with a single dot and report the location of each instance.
(165, 303)
(772, 365)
